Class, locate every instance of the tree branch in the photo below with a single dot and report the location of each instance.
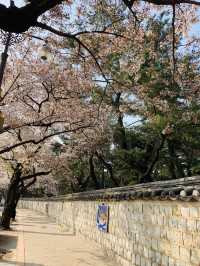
(30, 183)
(18, 20)
(174, 39)
(98, 32)
(108, 167)
(33, 141)
(23, 178)
(71, 36)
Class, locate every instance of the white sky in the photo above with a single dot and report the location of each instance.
(17, 2)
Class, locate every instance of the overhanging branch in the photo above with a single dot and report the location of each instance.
(74, 37)
(27, 177)
(33, 141)
(18, 20)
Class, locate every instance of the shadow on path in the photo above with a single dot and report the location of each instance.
(11, 263)
(45, 244)
(102, 256)
(42, 233)
(39, 219)
(8, 241)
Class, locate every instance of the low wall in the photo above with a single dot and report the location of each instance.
(151, 225)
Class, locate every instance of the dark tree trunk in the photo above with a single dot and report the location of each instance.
(122, 133)
(13, 214)
(147, 176)
(189, 160)
(172, 169)
(82, 180)
(18, 20)
(174, 160)
(92, 173)
(108, 166)
(11, 198)
(120, 130)
(15, 190)
(172, 166)
(84, 183)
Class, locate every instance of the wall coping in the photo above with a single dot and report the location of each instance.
(185, 189)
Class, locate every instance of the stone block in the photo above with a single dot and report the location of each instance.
(171, 262)
(175, 236)
(181, 263)
(148, 263)
(128, 254)
(185, 211)
(187, 239)
(143, 261)
(137, 260)
(176, 211)
(146, 252)
(157, 232)
(175, 251)
(152, 256)
(196, 240)
(168, 211)
(173, 222)
(195, 256)
(158, 258)
(164, 260)
(194, 212)
(184, 254)
(165, 247)
(182, 224)
(198, 226)
(133, 259)
(191, 225)
(154, 244)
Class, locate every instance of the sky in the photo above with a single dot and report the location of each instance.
(17, 2)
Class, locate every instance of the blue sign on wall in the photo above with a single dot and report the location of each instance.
(103, 217)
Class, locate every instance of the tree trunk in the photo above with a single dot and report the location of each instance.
(120, 129)
(174, 160)
(147, 177)
(122, 133)
(108, 166)
(13, 215)
(10, 207)
(11, 197)
(15, 190)
(92, 173)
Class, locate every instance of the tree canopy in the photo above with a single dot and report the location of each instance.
(100, 93)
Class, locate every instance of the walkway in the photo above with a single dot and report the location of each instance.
(38, 241)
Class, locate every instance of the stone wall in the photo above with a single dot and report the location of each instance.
(141, 232)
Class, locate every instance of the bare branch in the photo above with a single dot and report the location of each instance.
(68, 35)
(33, 141)
(11, 86)
(35, 175)
(98, 32)
(174, 39)
(19, 20)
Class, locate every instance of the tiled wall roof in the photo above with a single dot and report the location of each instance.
(185, 189)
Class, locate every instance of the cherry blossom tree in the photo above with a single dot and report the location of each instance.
(103, 61)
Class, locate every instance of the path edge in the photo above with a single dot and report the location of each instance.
(20, 256)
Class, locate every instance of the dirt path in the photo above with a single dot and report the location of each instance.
(39, 242)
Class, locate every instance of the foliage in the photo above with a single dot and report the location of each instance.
(68, 115)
